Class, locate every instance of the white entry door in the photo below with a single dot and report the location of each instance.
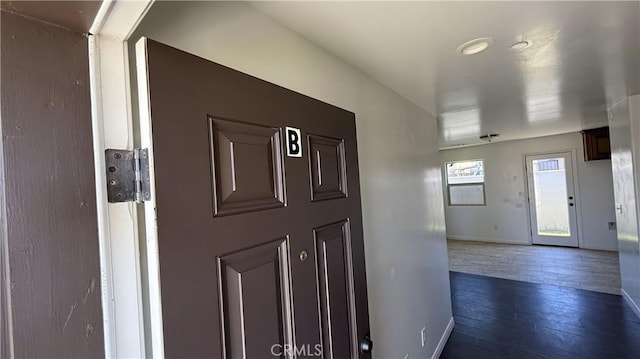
(552, 200)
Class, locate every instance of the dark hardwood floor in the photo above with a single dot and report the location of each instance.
(500, 318)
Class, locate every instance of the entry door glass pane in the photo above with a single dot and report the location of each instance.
(552, 209)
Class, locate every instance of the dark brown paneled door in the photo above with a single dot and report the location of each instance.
(261, 253)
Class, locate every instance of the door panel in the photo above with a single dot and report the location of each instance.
(247, 167)
(335, 280)
(255, 294)
(328, 172)
(225, 189)
(552, 199)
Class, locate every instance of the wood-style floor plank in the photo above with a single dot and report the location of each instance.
(567, 267)
(501, 318)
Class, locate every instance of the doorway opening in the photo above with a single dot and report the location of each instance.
(552, 199)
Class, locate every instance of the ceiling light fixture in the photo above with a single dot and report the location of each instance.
(490, 136)
(475, 46)
(520, 45)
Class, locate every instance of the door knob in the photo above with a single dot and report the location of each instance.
(570, 197)
(570, 204)
(366, 344)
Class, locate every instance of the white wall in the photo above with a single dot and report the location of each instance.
(632, 278)
(634, 119)
(625, 150)
(634, 124)
(405, 244)
(505, 218)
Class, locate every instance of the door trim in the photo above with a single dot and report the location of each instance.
(123, 318)
(576, 190)
(151, 229)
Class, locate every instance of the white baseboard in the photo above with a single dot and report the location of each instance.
(490, 240)
(505, 241)
(633, 304)
(443, 340)
(603, 248)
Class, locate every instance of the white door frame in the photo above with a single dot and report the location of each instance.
(121, 281)
(576, 191)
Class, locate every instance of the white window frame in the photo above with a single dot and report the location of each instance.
(449, 185)
(121, 278)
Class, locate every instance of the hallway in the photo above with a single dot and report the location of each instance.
(500, 318)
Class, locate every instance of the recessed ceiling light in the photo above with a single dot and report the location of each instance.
(520, 45)
(475, 46)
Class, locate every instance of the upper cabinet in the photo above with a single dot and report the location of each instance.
(596, 144)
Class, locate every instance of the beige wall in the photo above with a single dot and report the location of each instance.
(403, 215)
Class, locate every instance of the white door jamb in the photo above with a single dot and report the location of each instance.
(121, 281)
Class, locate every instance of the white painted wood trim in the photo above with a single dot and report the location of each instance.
(633, 304)
(118, 19)
(490, 240)
(101, 16)
(121, 281)
(119, 234)
(578, 198)
(106, 279)
(151, 227)
(527, 206)
(443, 340)
(526, 187)
(522, 243)
(576, 193)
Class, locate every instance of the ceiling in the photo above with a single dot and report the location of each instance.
(584, 57)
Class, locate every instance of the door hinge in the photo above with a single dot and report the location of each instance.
(127, 175)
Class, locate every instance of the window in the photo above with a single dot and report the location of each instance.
(547, 165)
(465, 183)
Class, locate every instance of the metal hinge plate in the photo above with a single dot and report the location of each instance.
(127, 175)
